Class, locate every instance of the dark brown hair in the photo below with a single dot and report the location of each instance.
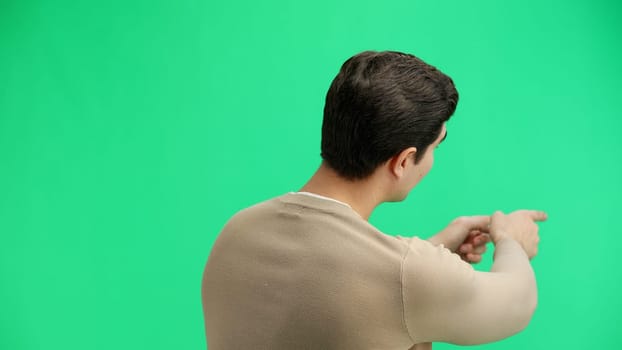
(379, 104)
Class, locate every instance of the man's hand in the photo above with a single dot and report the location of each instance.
(474, 246)
(519, 225)
(466, 236)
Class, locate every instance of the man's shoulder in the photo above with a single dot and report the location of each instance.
(295, 203)
(258, 210)
(298, 212)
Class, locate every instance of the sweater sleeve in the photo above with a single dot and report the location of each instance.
(446, 300)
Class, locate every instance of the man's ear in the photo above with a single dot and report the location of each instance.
(400, 161)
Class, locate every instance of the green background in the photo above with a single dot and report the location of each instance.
(130, 131)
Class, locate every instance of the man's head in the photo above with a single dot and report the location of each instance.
(383, 108)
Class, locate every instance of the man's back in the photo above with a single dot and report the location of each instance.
(300, 272)
(307, 271)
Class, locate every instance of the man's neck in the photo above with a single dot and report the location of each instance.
(362, 195)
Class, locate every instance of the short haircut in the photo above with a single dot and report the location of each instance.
(379, 104)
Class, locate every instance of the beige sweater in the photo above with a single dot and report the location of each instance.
(300, 272)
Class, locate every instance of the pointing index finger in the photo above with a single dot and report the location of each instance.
(537, 215)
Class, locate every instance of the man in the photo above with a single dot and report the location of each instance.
(306, 270)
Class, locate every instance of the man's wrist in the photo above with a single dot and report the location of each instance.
(498, 237)
(508, 244)
(438, 239)
(444, 239)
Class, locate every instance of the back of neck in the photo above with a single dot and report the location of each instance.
(362, 195)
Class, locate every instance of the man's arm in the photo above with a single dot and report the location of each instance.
(446, 300)
(466, 236)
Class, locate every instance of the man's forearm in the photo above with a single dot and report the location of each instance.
(441, 238)
(436, 240)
